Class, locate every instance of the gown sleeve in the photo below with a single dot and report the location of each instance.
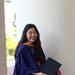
(24, 64)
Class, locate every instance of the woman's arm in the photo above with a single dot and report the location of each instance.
(24, 64)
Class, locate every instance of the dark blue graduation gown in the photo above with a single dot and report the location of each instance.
(25, 61)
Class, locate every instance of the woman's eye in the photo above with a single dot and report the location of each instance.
(32, 33)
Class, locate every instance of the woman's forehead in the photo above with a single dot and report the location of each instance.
(31, 29)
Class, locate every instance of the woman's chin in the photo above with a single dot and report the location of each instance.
(32, 41)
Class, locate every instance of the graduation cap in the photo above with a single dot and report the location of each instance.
(50, 67)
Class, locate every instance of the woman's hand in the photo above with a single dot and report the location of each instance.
(58, 72)
(39, 73)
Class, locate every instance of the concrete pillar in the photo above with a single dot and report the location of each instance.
(2, 41)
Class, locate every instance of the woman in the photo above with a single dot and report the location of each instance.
(29, 56)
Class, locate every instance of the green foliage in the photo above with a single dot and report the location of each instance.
(10, 45)
(8, 1)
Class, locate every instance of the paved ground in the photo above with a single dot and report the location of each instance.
(10, 65)
(10, 71)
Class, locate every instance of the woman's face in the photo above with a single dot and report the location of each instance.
(31, 35)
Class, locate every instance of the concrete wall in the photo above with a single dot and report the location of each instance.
(2, 41)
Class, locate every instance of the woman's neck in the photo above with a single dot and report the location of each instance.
(29, 44)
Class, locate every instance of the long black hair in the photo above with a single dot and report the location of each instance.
(37, 43)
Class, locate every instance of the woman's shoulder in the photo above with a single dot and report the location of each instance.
(21, 48)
